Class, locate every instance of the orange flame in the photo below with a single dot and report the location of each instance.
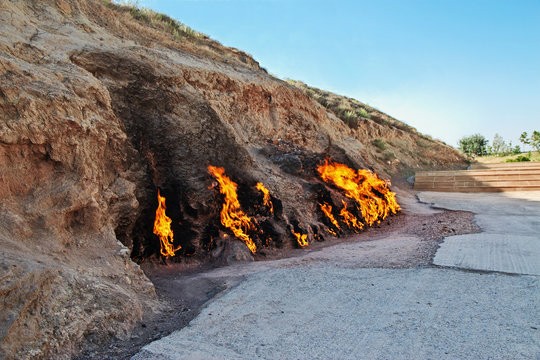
(327, 210)
(331, 232)
(267, 201)
(232, 215)
(372, 194)
(301, 239)
(162, 228)
(349, 219)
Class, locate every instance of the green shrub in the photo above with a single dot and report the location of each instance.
(363, 113)
(349, 118)
(520, 158)
(473, 145)
(379, 144)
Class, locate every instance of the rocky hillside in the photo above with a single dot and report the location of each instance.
(102, 105)
(391, 145)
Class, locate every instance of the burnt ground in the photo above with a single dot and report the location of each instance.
(184, 288)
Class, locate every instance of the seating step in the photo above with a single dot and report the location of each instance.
(496, 177)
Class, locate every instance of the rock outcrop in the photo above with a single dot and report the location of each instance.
(100, 107)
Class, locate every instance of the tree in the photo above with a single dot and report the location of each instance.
(524, 138)
(499, 146)
(473, 145)
(533, 140)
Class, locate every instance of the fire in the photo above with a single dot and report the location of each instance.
(331, 232)
(301, 239)
(267, 201)
(349, 219)
(372, 194)
(162, 228)
(232, 215)
(327, 210)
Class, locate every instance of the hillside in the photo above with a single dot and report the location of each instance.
(390, 144)
(102, 107)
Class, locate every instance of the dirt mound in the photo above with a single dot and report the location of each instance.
(100, 108)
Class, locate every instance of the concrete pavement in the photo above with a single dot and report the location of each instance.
(337, 310)
(510, 238)
(325, 312)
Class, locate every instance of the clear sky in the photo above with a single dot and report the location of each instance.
(450, 68)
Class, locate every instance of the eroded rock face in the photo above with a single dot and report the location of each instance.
(66, 185)
(98, 111)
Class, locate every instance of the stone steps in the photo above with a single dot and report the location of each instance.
(482, 178)
(521, 165)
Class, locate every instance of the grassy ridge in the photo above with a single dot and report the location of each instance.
(157, 20)
(494, 159)
(170, 32)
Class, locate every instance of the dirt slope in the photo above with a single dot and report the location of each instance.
(390, 144)
(100, 107)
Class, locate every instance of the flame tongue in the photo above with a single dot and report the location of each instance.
(301, 239)
(232, 215)
(327, 210)
(349, 219)
(266, 197)
(372, 194)
(162, 228)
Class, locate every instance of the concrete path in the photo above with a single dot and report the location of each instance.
(510, 241)
(324, 308)
(339, 313)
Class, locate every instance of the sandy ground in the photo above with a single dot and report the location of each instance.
(409, 240)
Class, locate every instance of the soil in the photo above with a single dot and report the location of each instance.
(185, 288)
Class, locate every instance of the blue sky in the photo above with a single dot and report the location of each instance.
(449, 68)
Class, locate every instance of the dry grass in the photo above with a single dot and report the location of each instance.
(352, 111)
(349, 110)
(150, 28)
(399, 146)
(157, 21)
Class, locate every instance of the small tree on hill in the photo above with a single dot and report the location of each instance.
(499, 146)
(524, 138)
(473, 145)
(533, 140)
